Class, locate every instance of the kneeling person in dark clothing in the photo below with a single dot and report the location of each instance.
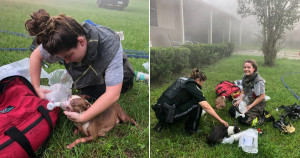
(182, 99)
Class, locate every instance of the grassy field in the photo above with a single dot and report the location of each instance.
(124, 140)
(174, 142)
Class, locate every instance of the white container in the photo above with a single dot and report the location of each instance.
(140, 76)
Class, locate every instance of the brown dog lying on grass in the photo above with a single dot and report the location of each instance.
(220, 102)
(99, 125)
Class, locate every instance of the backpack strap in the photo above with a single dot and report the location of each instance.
(21, 139)
(219, 89)
(45, 114)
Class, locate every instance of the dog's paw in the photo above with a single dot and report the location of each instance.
(70, 146)
(76, 131)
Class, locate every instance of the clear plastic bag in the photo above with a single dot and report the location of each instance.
(58, 93)
(242, 106)
(249, 141)
(21, 68)
(146, 66)
(60, 76)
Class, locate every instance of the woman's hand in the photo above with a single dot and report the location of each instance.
(73, 116)
(211, 111)
(248, 108)
(42, 92)
(224, 123)
(240, 99)
(236, 104)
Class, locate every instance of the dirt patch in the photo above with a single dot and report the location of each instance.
(129, 153)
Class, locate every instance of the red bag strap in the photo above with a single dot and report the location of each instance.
(21, 139)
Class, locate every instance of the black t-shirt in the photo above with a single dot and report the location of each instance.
(190, 92)
(195, 91)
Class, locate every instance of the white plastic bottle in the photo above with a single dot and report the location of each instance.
(140, 76)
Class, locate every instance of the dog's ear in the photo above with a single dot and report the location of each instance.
(85, 96)
(236, 129)
(218, 107)
(87, 105)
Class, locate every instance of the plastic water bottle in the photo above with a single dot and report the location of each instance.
(140, 76)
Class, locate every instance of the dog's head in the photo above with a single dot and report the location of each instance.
(78, 103)
(220, 102)
(233, 129)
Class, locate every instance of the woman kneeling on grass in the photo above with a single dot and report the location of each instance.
(253, 93)
(92, 55)
(184, 98)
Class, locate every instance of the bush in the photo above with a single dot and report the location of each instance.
(220, 50)
(196, 56)
(180, 59)
(200, 55)
(165, 61)
(230, 48)
(206, 54)
(160, 60)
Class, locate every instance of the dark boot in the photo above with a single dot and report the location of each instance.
(159, 126)
(268, 117)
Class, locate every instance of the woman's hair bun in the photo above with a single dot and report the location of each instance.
(36, 26)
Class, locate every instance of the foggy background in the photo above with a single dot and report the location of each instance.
(197, 15)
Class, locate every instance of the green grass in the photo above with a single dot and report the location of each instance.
(173, 142)
(133, 21)
(124, 140)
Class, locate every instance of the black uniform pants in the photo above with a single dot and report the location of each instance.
(193, 113)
